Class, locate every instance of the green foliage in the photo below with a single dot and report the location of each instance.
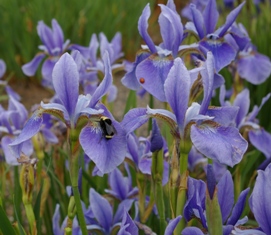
(79, 19)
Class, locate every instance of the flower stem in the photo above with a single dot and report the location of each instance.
(141, 184)
(157, 175)
(74, 173)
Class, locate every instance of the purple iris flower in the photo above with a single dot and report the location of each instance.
(195, 205)
(91, 65)
(106, 154)
(121, 187)
(100, 213)
(211, 131)
(216, 41)
(8, 89)
(139, 152)
(53, 47)
(153, 63)
(247, 121)
(260, 198)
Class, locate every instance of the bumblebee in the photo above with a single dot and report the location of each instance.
(107, 127)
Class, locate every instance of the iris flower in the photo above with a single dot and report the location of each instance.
(72, 108)
(53, 47)
(210, 127)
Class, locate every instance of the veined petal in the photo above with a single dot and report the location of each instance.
(134, 119)
(171, 29)
(58, 36)
(224, 144)
(123, 206)
(242, 101)
(105, 84)
(172, 225)
(238, 208)
(143, 28)
(208, 82)
(129, 80)
(101, 209)
(255, 68)
(31, 67)
(119, 184)
(31, 127)
(224, 115)
(230, 19)
(128, 226)
(223, 53)
(45, 34)
(66, 82)
(225, 195)
(152, 73)
(198, 21)
(177, 90)
(261, 140)
(107, 154)
(210, 16)
(259, 200)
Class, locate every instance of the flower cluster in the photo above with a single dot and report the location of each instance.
(184, 169)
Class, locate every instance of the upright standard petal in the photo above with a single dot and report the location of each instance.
(66, 82)
(105, 84)
(210, 16)
(198, 21)
(128, 226)
(177, 90)
(143, 28)
(172, 225)
(224, 144)
(101, 209)
(260, 199)
(225, 195)
(242, 101)
(171, 29)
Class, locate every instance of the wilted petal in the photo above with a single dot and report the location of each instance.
(66, 82)
(261, 140)
(260, 199)
(143, 28)
(101, 209)
(254, 67)
(225, 195)
(238, 208)
(177, 90)
(107, 154)
(172, 225)
(31, 67)
(152, 73)
(224, 144)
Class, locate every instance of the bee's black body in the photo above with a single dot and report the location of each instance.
(107, 127)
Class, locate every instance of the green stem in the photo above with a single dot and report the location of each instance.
(140, 178)
(157, 175)
(74, 171)
(30, 217)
